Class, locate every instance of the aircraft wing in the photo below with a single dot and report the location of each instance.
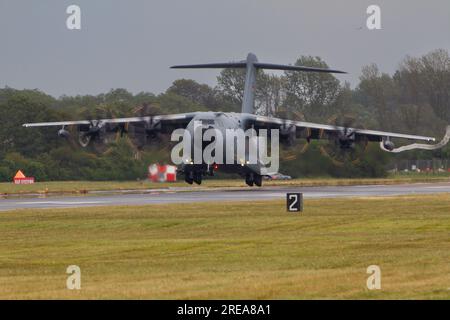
(173, 119)
(318, 131)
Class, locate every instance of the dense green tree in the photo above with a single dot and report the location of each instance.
(416, 99)
(201, 94)
(380, 95)
(268, 95)
(22, 107)
(313, 94)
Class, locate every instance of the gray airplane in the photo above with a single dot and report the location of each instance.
(345, 137)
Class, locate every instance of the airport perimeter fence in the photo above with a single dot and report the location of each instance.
(432, 165)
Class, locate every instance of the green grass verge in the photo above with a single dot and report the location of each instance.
(231, 251)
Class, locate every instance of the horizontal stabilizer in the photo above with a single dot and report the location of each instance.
(270, 66)
(213, 65)
(251, 64)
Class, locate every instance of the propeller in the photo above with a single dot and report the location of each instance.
(138, 134)
(296, 141)
(145, 132)
(96, 134)
(343, 145)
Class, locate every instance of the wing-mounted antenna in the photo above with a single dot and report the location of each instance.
(251, 65)
(415, 146)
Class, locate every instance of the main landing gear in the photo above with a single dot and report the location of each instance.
(193, 176)
(194, 173)
(252, 179)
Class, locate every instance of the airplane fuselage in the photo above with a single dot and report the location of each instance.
(227, 128)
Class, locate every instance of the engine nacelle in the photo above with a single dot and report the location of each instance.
(346, 143)
(346, 138)
(63, 133)
(388, 145)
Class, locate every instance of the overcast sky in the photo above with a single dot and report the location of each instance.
(131, 44)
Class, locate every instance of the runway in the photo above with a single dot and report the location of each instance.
(183, 195)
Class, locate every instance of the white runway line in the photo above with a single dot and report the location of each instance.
(60, 202)
(437, 187)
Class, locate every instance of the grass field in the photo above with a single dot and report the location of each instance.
(81, 187)
(231, 251)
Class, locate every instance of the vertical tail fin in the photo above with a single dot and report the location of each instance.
(248, 103)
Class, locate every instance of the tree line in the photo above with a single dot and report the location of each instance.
(415, 99)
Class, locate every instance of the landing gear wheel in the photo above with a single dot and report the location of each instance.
(249, 179)
(258, 180)
(198, 178)
(189, 177)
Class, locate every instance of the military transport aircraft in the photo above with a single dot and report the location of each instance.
(345, 137)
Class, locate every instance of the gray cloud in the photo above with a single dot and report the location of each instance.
(131, 44)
